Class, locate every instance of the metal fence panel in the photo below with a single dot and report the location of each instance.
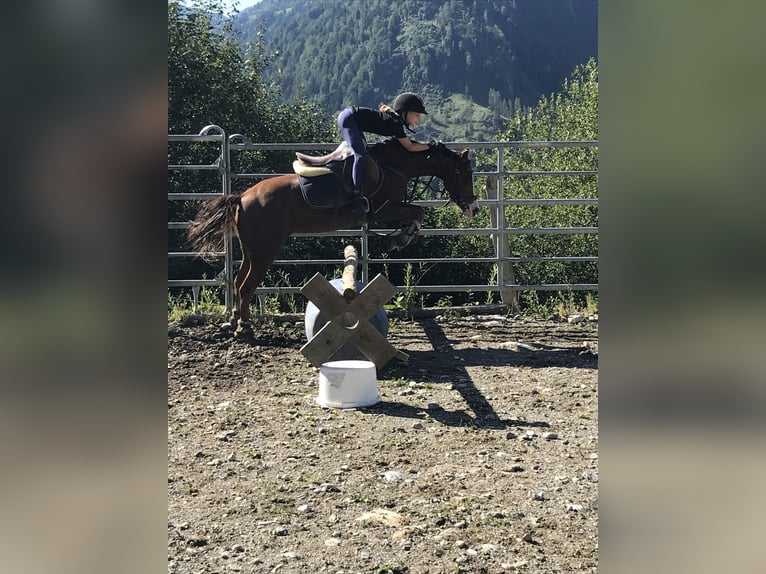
(499, 230)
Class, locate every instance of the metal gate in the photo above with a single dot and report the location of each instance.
(499, 230)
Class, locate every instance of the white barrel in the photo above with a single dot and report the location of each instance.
(348, 384)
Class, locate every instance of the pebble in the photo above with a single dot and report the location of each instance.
(417, 425)
(433, 406)
(445, 534)
(280, 531)
(197, 541)
(332, 542)
(590, 476)
(326, 487)
(461, 544)
(225, 436)
(393, 476)
(515, 565)
(550, 436)
(382, 516)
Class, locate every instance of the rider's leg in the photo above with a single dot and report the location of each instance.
(354, 137)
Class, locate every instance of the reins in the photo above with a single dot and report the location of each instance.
(410, 192)
(414, 183)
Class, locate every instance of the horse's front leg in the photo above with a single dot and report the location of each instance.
(413, 220)
(408, 234)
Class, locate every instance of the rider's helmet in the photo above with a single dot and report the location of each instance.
(409, 102)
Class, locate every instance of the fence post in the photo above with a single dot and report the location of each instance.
(505, 273)
(228, 266)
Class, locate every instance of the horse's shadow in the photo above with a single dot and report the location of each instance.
(444, 363)
(482, 418)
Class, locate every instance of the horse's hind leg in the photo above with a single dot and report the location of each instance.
(239, 280)
(257, 272)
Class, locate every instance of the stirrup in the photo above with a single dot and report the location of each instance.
(360, 207)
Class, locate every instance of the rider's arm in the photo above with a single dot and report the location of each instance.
(410, 145)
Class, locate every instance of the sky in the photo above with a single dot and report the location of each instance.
(241, 4)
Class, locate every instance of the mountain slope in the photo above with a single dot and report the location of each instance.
(499, 55)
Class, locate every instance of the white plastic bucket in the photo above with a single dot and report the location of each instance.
(348, 384)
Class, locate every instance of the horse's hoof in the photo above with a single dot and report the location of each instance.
(395, 245)
(399, 243)
(243, 330)
(407, 235)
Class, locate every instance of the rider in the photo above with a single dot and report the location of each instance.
(386, 121)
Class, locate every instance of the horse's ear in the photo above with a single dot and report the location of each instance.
(464, 153)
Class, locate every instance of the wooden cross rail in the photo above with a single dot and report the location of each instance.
(348, 316)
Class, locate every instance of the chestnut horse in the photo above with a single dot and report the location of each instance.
(266, 214)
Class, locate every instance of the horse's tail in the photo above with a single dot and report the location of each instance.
(214, 223)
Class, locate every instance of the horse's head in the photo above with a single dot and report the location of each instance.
(453, 168)
(456, 172)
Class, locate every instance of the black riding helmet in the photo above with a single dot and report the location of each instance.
(409, 102)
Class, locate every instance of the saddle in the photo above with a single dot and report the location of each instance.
(321, 191)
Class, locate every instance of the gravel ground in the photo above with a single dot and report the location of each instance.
(481, 456)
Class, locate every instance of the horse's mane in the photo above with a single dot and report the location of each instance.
(382, 144)
(392, 142)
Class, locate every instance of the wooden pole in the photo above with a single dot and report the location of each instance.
(348, 279)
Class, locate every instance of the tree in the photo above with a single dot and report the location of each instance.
(211, 80)
(569, 115)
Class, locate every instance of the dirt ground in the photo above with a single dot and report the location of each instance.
(481, 456)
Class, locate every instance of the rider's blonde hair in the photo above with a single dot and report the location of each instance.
(386, 108)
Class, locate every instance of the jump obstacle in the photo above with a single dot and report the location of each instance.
(352, 316)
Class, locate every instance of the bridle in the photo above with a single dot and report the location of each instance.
(450, 182)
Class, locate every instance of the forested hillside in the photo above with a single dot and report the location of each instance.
(475, 61)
